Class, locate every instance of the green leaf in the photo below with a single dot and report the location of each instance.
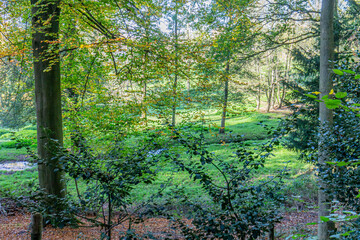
(349, 71)
(313, 223)
(310, 96)
(340, 94)
(331, 163)
(357, 76)
(347, 233)
(332, 103)
(342, 164)
(325, 97)
(324, 219)
(338, 72)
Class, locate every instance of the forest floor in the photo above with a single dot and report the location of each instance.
(17, 227)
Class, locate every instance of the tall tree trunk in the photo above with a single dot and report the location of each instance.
(45, 22)
(173, 122)
(270, 91)
(225, 101)
(258, 105)
(325, 114)
(287, 77)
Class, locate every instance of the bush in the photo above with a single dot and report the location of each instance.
(4, 131)
(237, 206)
(20, 143)
(30, 127)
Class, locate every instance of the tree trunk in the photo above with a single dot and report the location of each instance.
(270, 91)
(225, 101)
(258, 97)
(173, 122)
(325, 114)
(45, 22)
(36, 226)
(287, 77)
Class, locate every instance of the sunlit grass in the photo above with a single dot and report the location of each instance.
(246, 126)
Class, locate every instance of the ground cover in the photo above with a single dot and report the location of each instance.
(299, 184)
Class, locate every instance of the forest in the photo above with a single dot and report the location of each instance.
(180, 119)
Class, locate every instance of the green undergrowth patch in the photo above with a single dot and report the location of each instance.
(18, 182)
(244, 128)
(12, 154)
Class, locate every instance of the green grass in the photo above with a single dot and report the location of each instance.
(11, 154)
(247, 126)
(17, 182)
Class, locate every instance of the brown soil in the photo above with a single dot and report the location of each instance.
(17, 227)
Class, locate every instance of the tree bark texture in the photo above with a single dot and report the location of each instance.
(45, 23)
(36, 226)
(325, 114)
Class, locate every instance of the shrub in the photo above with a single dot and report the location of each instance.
(238, 207)
(19, 143)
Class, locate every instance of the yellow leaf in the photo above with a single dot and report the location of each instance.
(331, 92)
(316, 93)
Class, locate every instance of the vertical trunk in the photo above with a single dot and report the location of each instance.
(278, 93)
(271, 91)
(188, 88)
(173, 122)
(144, 101)
(259, 89)
(325, 114)
(275, 89)
(47, 92)
(225, 101)
(36, 226)
(259, 97)
(287, 76)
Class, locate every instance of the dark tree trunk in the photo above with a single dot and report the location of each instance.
(325, 114)
(36, 226)
(45, 22)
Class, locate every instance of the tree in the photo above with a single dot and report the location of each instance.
(45, 23)
(325, 114)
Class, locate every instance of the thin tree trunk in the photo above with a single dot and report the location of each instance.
(225, 101)
(259, 89)
(270, 90)
(173, 122)
(47, 92)
(325, 114)
(287, 77)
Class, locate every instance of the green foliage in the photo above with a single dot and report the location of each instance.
(108, 181)
(4, 131)
(17, 143)
(236, 207)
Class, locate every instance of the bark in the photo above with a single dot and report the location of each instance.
(173, 122)
(47, 92)
(325, 114)
(287, 78)
(225, 101)
(270, 91)
(36, 226)
(258, 97)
